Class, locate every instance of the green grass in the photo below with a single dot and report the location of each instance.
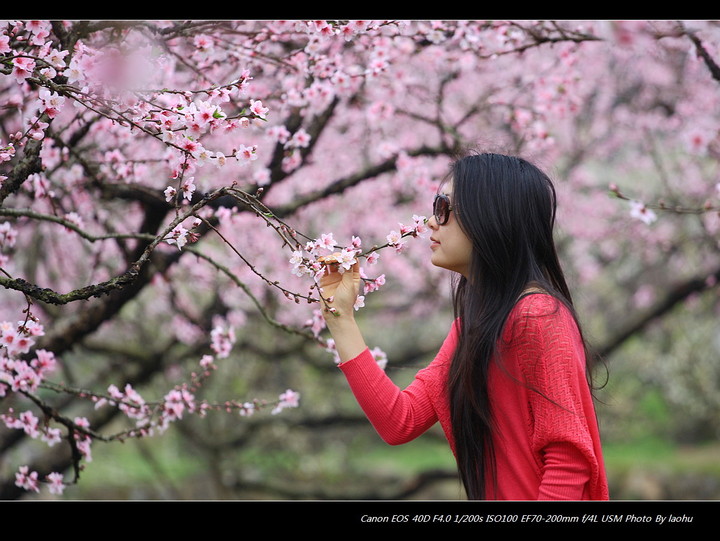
(413, 457)
(654, 453)
(120, 468)
(125, 465)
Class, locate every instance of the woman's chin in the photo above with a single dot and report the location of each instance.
(437, 261)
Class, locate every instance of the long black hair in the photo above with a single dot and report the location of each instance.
(506, 206)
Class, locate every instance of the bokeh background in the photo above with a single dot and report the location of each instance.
(341, 128)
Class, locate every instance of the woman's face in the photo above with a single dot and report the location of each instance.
(451, 248)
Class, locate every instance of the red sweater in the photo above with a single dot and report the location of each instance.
(547, 443)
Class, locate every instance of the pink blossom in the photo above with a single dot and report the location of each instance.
(38, 27)
(175, 403)
(346, 259)
(262, 177)
(27, 480)
(188, 188)
(203, 42)
(56, 483)
(380, 357)
(351, 28)
(56, 57)
(222, 340)
(32, 328)
(52, 102)
(128, 401)
(278, 133)
(246, 154)
(8, 235)
(51, 436)
(44, 362)
(697, 141)
(7, 152)
(115, 393)
(83, 446)
(190, 146)
(316, 323)
(326, 241)
(25, 378)
(324, 28)
(298, 262)
(257, 108)
(41, 185)
(16, 343)
(372, 257)
(178, 237)
(29, 423)
(291, 161)
(288, 399)
(377, 66)
(247, 409)
(394, 238)
(374, 285)
(75, 219)
(300, 138)
(220, 159)
(82, 440)
(22, 68)
(75, 72)
(641, 212)
(207, 112)
(421, 228)
(207, 361)
(331, 348)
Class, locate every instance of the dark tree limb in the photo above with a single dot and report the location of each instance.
(672, 298)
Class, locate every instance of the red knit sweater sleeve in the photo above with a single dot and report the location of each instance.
(566, 472)
(398, 415)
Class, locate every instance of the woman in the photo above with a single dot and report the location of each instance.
(510, 385)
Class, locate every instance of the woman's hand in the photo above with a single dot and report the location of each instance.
(340, 291)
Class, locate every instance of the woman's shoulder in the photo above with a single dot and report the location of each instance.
(538, 302)
(538, 312)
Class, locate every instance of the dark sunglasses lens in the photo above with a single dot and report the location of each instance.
(441, 207)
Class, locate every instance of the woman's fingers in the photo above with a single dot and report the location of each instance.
(340, 289)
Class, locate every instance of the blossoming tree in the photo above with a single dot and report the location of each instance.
(166, 183)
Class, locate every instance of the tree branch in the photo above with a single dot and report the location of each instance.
(674, 297)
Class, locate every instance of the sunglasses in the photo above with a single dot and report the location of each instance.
(442, 208)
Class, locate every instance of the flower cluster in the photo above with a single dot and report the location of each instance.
(149, 418)
(306, 262)
(288, 399)
(117, 80)
(8, 238)
(181, 235)
(18, 375)
(223, 339)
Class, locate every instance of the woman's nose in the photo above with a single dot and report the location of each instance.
(432, 223)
